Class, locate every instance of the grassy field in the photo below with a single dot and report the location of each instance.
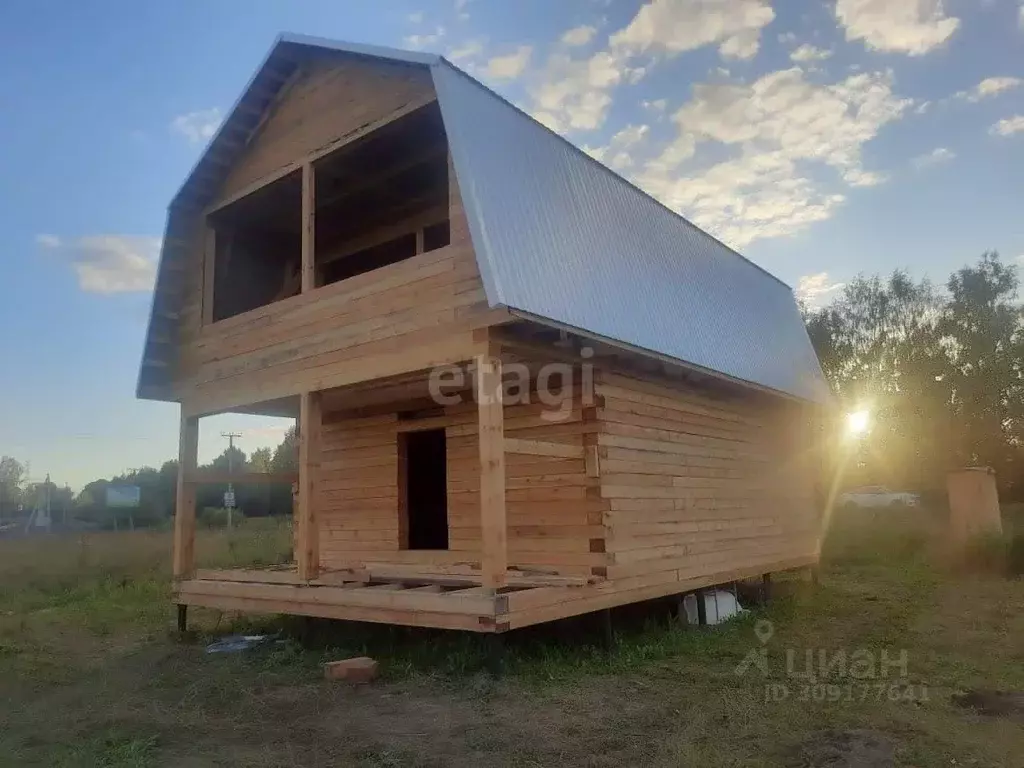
(91, 673)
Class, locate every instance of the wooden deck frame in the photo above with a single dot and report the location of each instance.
(428, 598)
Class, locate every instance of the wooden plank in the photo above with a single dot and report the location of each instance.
(386, 596)
(255, 575)
(413, 225)
(307, 540)
(451, 346)
(327, 110)
(308, 228)
(491, 437)
(185, 508)
(542, 448)
(593, 461)
(562, 603)
(209, 273)
(412, 618)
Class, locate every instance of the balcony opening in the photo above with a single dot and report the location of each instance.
(258, 246)
(384, 198)
(423, 489)
(379, 200)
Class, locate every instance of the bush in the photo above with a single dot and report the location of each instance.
(217, 517)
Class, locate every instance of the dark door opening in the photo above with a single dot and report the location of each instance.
(425, 491)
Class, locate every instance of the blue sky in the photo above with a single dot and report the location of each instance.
(821, 139)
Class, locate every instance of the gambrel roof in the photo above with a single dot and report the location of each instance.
(559, 238)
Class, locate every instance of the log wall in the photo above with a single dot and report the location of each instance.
(699, 485)
(553, 506)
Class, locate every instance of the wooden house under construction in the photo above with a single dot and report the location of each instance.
(525, 389)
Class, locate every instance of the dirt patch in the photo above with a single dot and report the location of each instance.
(1007, 704)
(846, 749)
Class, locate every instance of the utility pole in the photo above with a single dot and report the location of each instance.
(49, 519)
(231, 471)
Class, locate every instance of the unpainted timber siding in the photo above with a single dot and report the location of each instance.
(307, 341)
(553, 507)
(699, 485)
(332, 97)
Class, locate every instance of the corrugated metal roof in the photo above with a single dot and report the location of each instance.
(560, 237)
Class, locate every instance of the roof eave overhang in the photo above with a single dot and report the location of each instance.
(824, 400)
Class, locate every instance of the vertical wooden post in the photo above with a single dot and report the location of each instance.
(184, 556)
(209, 272)
(491, 432)
(307, 545)
(308, 228)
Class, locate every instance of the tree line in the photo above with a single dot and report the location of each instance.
(157, 490)
(939, 369)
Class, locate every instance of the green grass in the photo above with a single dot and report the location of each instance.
(91, 673)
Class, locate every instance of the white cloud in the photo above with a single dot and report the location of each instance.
(990, 86)
(675, 26)
(579, 35)
(935, 157)
(460, 9)
(812, 288)
(858, 177)
(471, 49)
(779, 127)
(510, 66)
(787, 37)
(573, 94)
(656, 105)
(616, 154)
(109, 263)
(198, 127)
(1020, 16)
(425, 40)
(1008, 126)
(913, 27)
(415, 18)
(807, 52)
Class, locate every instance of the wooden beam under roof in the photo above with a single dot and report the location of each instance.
(317, 154)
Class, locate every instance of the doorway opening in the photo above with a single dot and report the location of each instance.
(424, 489)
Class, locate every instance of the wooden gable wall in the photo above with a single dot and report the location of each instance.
(318, 339)
(332, 97)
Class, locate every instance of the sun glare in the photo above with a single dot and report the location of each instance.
(857, 423)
